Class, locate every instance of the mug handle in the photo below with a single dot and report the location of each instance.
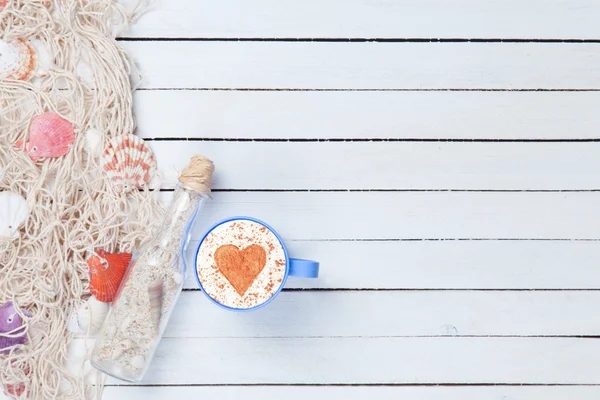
(304, 268)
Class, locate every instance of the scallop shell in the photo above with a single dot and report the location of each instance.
(91, 316)
(18, 59)
(50, 135)
(3, 4)
(128, 163)
(106, 273)
(13, 212)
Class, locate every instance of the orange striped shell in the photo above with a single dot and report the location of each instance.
(106, 273)
(18, 59)
(128, 163)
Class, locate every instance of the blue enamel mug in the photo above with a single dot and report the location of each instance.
(242, 264)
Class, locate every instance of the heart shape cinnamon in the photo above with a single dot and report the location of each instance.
(240, 267)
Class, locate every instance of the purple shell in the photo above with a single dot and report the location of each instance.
(10, 321)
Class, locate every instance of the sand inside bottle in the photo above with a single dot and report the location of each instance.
(146, 298)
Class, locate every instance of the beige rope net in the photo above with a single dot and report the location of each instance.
(86, 79)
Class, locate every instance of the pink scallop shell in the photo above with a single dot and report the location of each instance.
(128, 163)
(50, 135)
(18, 59)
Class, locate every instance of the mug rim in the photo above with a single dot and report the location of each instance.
(283, 281)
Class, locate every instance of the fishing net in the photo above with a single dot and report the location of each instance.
(81, 73)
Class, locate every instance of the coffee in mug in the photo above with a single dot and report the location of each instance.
(242, 264)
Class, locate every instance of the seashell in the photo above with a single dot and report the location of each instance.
(50, 135)
(93, 142)
(106, 273)
(38, 333)
(3, 4)
(44, 58)
(126, 323)
(121, 348)
(155, 295)
(15, 391)
(13, 212)
(128, 163)
(11, 324)
(138, 362)
(145, 343)
(18, 59)
(177, 278)
(111, 331)
(91, 316)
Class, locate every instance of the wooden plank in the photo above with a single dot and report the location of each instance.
(352, 115)
(360, 360)
(368, 19)
(251, 65)
(388, 165)
(411, 215)
(355, 393)
(444, 264)
(393, 314)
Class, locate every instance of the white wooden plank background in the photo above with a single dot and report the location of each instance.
(434, 115)
(382, 66)
(386, 165)
(534, 19)
(437, 392)
(440, 160)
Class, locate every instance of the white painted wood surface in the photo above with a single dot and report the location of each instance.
(332, 165)
(382, 66)
(371, 114)
(436, 392)
(459, 250)
(533, 19)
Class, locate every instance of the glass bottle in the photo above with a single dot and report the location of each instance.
(152, 284)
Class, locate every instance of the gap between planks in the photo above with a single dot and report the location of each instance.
(354, 40)
(358, 391)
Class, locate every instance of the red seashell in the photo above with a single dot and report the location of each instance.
(3, 4)
(106, 273)
(50, 135)
(15, 391)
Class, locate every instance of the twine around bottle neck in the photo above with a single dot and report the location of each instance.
(198, 174)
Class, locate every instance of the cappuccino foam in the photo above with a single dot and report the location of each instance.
(230, 264)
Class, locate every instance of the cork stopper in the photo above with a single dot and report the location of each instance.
(198, 174)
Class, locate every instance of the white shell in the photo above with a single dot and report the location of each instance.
(18, 59)
(177, 278)
(121, 348)
(128, 163)
(111, 331)
(138, 362)
(93, 142)
(91, 315)
(44, 58)
(13, 212)
(126, 323)
(145, 343)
